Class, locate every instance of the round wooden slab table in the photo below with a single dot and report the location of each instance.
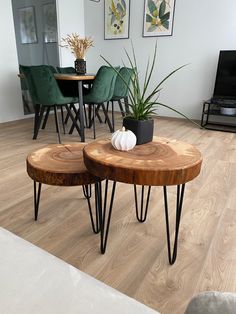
(162, 162)
(61, 165)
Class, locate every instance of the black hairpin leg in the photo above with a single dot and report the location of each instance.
(142, 215)
(103, 220)
(179, 202)
(87, 189)
(37, 193)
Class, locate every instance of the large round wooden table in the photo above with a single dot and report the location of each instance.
(162, 162)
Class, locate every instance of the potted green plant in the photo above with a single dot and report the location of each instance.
(143, 104)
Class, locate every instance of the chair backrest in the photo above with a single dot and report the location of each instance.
(121, 89)
(104, 84)
(53, 70)
(66, 70)
(42, 85)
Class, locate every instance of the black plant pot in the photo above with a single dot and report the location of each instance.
(143, 129)
(80, 66)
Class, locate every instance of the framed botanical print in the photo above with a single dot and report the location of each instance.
(116, 24)
(27, 25)
(158, 17)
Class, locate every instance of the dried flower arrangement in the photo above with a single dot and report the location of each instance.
(78, 46)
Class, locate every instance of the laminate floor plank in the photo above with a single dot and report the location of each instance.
(136, 258)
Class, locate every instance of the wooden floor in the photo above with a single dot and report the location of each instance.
(136, 259)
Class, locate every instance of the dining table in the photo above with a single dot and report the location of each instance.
(81, 79)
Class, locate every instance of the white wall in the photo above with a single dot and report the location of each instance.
(70, 20)
(10, 96)
(201, 29)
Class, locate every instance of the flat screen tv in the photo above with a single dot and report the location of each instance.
(225, 84)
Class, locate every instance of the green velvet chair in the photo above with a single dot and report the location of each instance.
(45, 93)
(53, 70)
(121, 91)
(66, 70)
(101, 92)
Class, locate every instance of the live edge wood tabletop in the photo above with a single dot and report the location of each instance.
(157, 163)
(162, 162)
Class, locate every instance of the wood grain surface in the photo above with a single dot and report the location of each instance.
(160, 162)
(68, 77)
(59, 164)
(74, 77)
(136, 260)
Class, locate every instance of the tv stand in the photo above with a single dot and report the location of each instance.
(213, 107)
(224, 102)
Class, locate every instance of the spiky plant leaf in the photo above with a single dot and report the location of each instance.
(142, 107)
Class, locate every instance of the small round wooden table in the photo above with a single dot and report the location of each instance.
(61, 165)
(162, 162)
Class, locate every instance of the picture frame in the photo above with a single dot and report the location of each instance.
(49, 23)
(28, 32)
(116, 19)
(158, 18)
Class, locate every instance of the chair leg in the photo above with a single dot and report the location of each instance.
(91, 118)
(85, 117)
(107, 117)
(62, 120)
(121, 108)
(75, 110)
(108, 103)
(97, 113)
(38, 122)
(94, 131)
(36, 117)
(67, 116)
(112, 116)
(57, 125)
(74, 120)
(46, 118)
(126, 105)
(89, 115)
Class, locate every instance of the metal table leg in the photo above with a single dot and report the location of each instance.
(179, 202)
(37, 193)
(87, 193)
(87, 189)
(142, 214)
(104, 218)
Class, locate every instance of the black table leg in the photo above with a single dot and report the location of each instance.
(142, 214)
(37, 192)
(104, 218)
(179, 202)
(87, 189)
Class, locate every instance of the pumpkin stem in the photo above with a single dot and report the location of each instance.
(123, 129)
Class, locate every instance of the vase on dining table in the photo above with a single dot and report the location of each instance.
(80, 66)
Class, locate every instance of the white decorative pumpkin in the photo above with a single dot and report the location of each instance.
(123, 139)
